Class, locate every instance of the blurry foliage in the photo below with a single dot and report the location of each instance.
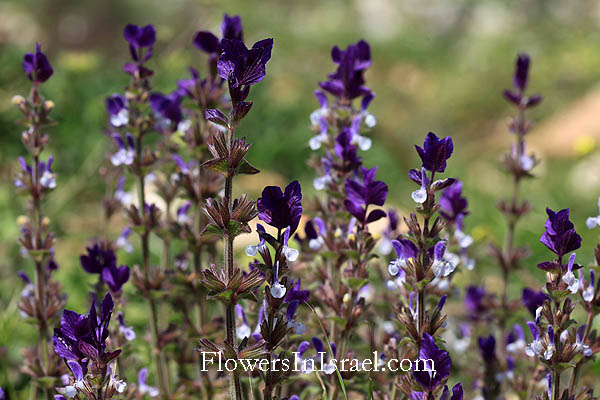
(438, 65)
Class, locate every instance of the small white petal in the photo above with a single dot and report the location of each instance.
(251, 250)
(290, 254)
(393, 268)
(314, 143)
(363, 142)
(419, 196)
(370, 121)
(592, 222)
(278, 290)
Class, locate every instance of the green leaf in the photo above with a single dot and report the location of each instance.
(220, 165)
(357, 283)
(246, 168)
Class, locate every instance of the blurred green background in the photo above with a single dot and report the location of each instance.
(438, 65)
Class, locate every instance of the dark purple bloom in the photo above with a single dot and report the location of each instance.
(433, 359)
(97, 258)
(297, 294)
(453, 204)
(474, 298)
(560, 236)
(361, 194)
(347, 151)
(435, 152)
(281, 209)
(347, 82)
(115, 103)
(487, 348)
(140, 38)
(457, 393)
(533, 299)
(520, 80)
(243, 67)
(115, 277)
(167, 106)
(83, 337)
(231, 28)
(36, 65)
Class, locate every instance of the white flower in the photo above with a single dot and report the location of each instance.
(48, 180)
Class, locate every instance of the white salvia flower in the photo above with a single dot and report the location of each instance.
(143, 388)
(252, 250)
(70, 391)
(48, 180)
(289, 253)
(443, 264)
(593, 222)
(580, 345)
(419, 196)
(329, 368)
(122, 157)
(363, 142)
(385, 246)
(320, 182)
(316, 141)
(120, 119)
(184, 125)
(569, 277)
(243, 331)
(527, 162)
(277, 290)
(463, 239)
(564, 336)
(370, 120)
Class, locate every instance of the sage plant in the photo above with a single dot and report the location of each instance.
(241, 68)
(41, 300)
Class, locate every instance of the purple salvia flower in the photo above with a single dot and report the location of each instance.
(435, 152)
(143, 387)
(127, 331)
(347, 82)
(125, 153)
(457, 393)
(315, 231)
(520, 80)
(296, 293)
(405, 249)
(281, 209)
(115, 277)
(123, 242)
(168, 106)
(251, 250)
(122, 196)
(48, 178)
(442, 266)
(515, 341)
(97, 258)
(453, 204)
(549, 390)
(487, 348)
(362, 194)
(593, 222)
(289, 253)
(569, 277)
(277, 289)
(182, 213)
(36, 66)
(533, 299)
(474, 304)
(243, 331)
(116, 105)
(579, 342)
(346, 151)
(297, 326)
(438, 368)
(243, 67)
(419, 196)
(560, 235)
(140, 38)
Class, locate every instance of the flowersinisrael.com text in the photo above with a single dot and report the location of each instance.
(319, 363)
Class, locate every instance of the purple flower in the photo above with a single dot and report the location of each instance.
(116, 105)
(474, 301)
(143, 387)
(231, 28)
(435, 152)
(36, 65)
(169, 106)
(560, 236)
(436, 364)
(347, 151)
(84, 336)
(453, 204)
(520, 81)
(347, 82)
(243, 67)
(533, 299)
(140, 38)
(281, 209)
(125, 153)
(296, 293)
(457, 393)
(360, 195)
(487, 348)
(98, 257)
(115, 277)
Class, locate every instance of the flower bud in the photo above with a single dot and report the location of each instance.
(48, 106)
(18, 100)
